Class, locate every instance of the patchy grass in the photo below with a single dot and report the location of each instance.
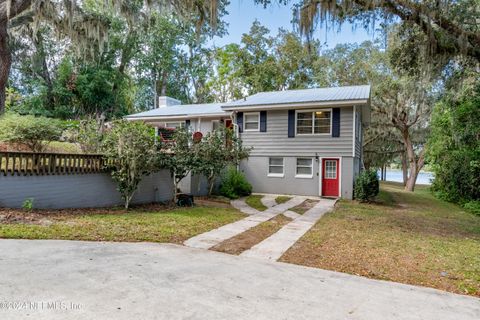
(304, 206)
(282, 199)
(166, 225)
(251, 237)
(255, 202)
(406, 237)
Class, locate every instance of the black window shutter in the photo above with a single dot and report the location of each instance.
(336, 122)
(187, 123)
(263, 121)
(240, 121)
(291, 123)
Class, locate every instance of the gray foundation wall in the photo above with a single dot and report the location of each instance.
(80, 191)
(256, 172)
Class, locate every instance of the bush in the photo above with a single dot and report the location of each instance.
(235, 185)
(366, 185)
(33, 132)
(473, 206)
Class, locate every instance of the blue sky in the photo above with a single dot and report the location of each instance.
(242, 13)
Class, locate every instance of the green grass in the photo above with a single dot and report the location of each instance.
(282, 199)
(254, 202)
(175, 225)
(405, 237)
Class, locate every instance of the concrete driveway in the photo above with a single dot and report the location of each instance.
(98, 280)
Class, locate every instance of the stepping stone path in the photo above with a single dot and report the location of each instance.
(268, 200)
(274, 246)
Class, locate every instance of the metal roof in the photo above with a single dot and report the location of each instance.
(205, 109)
(348, 93)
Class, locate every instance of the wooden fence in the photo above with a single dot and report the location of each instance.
(30, 163)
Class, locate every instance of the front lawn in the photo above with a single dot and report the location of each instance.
(405, 237)
(156, 224)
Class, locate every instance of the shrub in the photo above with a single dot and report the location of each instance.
(33, 132)
(235, 185)
(130, 149)
(366, 185)
(473, 206)
(28, 204)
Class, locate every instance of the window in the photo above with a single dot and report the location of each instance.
(304, 168)
(314, 122)
(275, 167)
(330, 169)
(174, 125)
(252, 121)
(215, 125)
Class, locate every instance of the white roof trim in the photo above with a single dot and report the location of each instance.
(203, 115)
(340, 103)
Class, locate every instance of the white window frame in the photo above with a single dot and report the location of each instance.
(181, 124)
(336, 169)
(304, 176)
(313, 122)
(245, 121)
(276, 175)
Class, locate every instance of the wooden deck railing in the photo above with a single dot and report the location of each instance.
(30, 163)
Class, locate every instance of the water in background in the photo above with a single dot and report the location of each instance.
(397, 176)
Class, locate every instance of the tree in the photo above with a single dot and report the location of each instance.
(180, 156)
(262, 63)
(451, 26)
(407, 104)
(217, 150)
(454, 143)
(87, 29)
(33, 132)
(130, 151)
(89, 135)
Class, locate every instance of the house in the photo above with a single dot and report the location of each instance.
(171, 114)
(305, 142)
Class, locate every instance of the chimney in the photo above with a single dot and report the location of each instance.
(164, 101)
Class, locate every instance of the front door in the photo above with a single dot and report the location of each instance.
(330, 179)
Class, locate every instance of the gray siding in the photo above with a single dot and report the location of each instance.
(358, 134)
(275, 141)
(197, 185)
(79, 191)
(256, 172)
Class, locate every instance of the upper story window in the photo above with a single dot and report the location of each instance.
(252, 121)
(314, 122)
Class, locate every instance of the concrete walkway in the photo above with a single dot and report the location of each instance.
(243, 207)
(211, 238)
(274, 246)
(123, 281)
(268, 200)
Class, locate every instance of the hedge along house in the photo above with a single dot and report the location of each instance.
(305, 142)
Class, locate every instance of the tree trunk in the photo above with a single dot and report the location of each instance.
(5, 62)
(163, 91)
(415, 165)
(211, 183)
(404, 168)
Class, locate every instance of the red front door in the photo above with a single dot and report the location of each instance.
(330, 179)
